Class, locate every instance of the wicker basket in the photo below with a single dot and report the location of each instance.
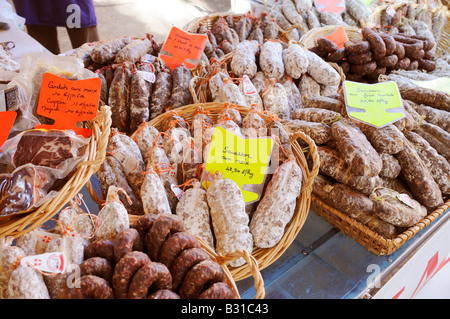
(309, 38)
(209, 21)
(366, 237)
(444, 41)
(17, 226)
(265, 257)
(198, 83)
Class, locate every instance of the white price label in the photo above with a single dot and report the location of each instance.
(249, 88)
(178, 192)
(148, 76)
(404, 198)
(390, 11)
(49, 262)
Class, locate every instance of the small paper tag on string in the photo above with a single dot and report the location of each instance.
(390, 11)
(181, 47)
(68, 102)
(148, 76)
(404, 198)
(249, 88)
(46, 237)
(178, 192)
(7, 121)
(53, 263)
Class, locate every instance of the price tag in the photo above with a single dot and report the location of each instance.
(181, 47)
(7, 119)
(338, 36)
(68, 102)
(54, 263)
(147, 76)
(440, 84)
(242, 160)
(249, 88)
(377, 104)
(390, 11)
(404, 198)
(333, 6)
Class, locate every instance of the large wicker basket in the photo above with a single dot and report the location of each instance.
(19, 225)
(366, 237)
(266, 257)
(209, 21)
(444, 41)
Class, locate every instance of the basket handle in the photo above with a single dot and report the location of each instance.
(314, 153)
(251, 262)
(254, 269)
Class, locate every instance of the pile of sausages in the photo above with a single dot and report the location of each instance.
(156, 258)
(378, 53)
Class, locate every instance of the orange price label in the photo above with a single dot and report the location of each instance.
(7, 121)
(68, 102)
(339, 37)
(182, 47)
(333, 6)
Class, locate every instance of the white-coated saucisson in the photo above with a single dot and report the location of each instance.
(193, 209)
(229, 219)
(277, 207)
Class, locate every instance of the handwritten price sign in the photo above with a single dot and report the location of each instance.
(243, 160)
(182, 47)
(7, 119)
(68, 102)
(375, 104)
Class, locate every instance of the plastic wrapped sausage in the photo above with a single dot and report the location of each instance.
(180, 95)
(111, 173)
(154, 198)
(439, 167)
(391, 209)
(418, 177)
(333, 165)
(162, 89)
(275, 100)
(113, 217)
(119, 94)
(106, 51)
(134, 50)
(127, 153)
(356, 150)
(320, 133)
(140, 92)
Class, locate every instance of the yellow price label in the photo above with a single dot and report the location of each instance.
(243, 160)
(440, 84)
(377, 104)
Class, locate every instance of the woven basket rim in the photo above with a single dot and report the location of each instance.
(22, 224)
(371, 240)
(265, 257)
